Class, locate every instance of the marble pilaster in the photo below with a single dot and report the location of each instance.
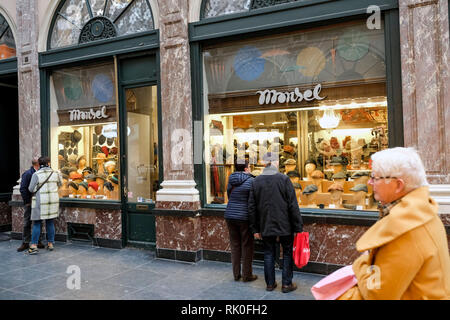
(28, 82)
(425, 60)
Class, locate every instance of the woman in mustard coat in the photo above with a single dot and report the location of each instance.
(405, 253)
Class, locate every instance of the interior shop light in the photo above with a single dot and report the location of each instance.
(279, 122)
(329, 119)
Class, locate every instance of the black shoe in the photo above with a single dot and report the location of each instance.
(270, 288)
(289, 288)
(32, 250)
(237, 278)
(40, 245)
(23, 247)
(250, 279)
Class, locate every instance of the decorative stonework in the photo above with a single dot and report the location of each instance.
(424, 40)
(97, 29)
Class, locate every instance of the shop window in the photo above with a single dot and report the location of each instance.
(80, 21)
(84, 140)
(7, 43)
(316, 98)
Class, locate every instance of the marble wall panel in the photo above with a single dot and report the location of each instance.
(17, 218)
(178, 205)
(5, 213)
(178, 233)
(215, 234)
(108, 224)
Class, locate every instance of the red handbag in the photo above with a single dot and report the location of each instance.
(300, 250)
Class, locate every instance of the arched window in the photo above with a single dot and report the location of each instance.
(215, 8)
(7, 43)
(81, 21)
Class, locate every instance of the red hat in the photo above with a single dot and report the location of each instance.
(105, 150)
(94, 185)
(75, 175)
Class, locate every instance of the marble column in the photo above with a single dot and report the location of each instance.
(178, 189)
(28, 82)
(425, 60)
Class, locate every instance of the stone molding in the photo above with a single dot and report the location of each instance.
(178, 191)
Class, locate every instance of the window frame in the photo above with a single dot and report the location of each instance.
(275, 20)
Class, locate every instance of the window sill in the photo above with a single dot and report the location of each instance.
(93, 204)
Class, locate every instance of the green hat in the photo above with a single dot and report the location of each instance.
(101, 177)
(339, 175)
(83, 184)
(360, 187)
(336, 161)
(360, 174)
(114, 179)
(311, 188)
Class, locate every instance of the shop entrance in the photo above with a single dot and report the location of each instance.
(9, 135)
(140, 161)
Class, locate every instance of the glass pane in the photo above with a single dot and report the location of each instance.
(84, 139)
(64, 34)
(319, 103)
(137, 18)
(115, 7)
(142, 142)
(7, 43)
(214, 8)
(76, 12)
(97, 7)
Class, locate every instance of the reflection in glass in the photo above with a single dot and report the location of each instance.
(142, 139)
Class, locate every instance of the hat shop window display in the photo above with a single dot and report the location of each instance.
(295, 177)
(310, 194)
(310, 167)
(336, 190)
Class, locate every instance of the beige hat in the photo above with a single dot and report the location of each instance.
(335, 187)
(317, 174)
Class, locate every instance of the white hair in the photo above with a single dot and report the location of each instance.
(403, 163)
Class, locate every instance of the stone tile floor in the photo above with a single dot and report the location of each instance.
(129, 274)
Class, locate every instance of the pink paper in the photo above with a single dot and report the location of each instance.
(334, 285)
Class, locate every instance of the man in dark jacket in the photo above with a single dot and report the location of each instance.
(274, 212)
(26, 197)
(236, 217)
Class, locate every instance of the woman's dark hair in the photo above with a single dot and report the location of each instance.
(240, 165)
(44, 161)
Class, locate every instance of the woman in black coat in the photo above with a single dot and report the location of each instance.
(236, 216)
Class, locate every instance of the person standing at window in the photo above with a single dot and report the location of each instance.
(236, 217)
(45, 202)
(274, 212)
(26, 197)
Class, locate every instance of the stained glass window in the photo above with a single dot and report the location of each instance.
(80, 21)
(7, 43)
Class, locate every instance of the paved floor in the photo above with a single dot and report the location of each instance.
(128, 274)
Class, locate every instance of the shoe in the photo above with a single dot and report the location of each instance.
(40, 245)
(237, 278)
(50, 247)
(251, 278)
(289, 288)
(23, 247)
(32, 250)
(270, 288)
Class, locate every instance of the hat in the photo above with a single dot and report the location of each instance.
(290, 162)
(297, 185)
(98, 129)
(360, 174)
(108, 185)
(311, 161)
(76, 136)
(317, 174)
(293, 174)
(101, 139)
(114, 179)
(114, 150)
(339, 175)
(336, 187)
(94, 139)
(288, 149)
(336, 161)
(105, 150)
(96, 149)
(73, 185)
(75, 175)
(94, 185)
(349, 206)
(100, 155)
(360, 187)
(83, 184)
(88, 169)
(90, 177)
(64, 176)
(110, 163)
(72, 157)
(310, 188)
(110, 141)
(100, 177)
(65, 170)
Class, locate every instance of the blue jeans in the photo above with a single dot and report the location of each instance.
(50, 228)
(270, 245)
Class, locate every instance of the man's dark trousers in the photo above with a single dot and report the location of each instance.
(26, 236)
(270, 245)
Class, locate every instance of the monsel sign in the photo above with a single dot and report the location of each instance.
(273, 96)
(77, 115)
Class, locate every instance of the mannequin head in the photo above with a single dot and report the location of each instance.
(81, 162)
(110, 167)
(336, 190)
(317, 178)
(359, 198)
(82, 189)
(361, 177)
(92, 188)
(310, 193)
(294, 176)
(289, 165)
